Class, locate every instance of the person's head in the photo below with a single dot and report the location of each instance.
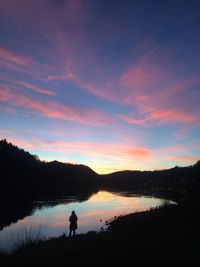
(73, 212)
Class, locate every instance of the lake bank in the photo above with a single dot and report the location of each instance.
(167, 236)
(50, 218)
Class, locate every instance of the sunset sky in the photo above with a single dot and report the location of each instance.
(112, 84)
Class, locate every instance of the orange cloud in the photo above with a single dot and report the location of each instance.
(138, 152)
(185, 158)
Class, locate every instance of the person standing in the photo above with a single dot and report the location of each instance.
(73, 224)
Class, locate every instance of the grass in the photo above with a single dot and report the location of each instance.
(24, 237)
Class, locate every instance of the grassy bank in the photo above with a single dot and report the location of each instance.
(166, 236)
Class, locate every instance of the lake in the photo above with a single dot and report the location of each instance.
(50, 219)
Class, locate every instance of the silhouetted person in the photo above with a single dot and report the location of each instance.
(73, 223)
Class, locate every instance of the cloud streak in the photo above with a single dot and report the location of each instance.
(35, 88)
(55, 110)
(7, 55)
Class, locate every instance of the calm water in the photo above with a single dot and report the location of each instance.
(52, 221)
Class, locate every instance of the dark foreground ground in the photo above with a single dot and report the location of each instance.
(167, 236)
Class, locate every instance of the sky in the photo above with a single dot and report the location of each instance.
(114, 85)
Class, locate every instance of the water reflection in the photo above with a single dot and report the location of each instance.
(52, 221)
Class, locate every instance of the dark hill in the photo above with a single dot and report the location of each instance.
(177, 181)
(24, 176)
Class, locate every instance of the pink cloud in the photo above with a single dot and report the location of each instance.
(153, 117)
(22, 64)
(173, 116)
(142, 75)
(9, 56)
(55, 110)
(158, 93)
(113, 151)
(6, 80)
(36, 88)
(16, 63)
(104, 92)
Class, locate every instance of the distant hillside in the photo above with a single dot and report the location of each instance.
(24, 175)
(183, 181)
